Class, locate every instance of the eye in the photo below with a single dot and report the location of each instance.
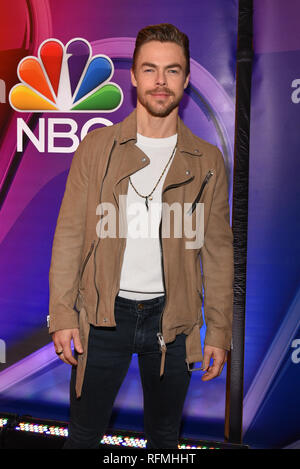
(173, 71)
(148, 70)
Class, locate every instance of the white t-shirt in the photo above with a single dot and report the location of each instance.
(141, 274)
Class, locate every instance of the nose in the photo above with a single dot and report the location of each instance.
(160, 79)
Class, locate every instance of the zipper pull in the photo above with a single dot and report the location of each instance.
(209, 174)
(161, 341)
(163, 348)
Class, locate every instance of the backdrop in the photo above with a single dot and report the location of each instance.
(47, 106)
(272, 352)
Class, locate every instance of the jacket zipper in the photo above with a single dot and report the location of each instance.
(205, 181)
(159, 335)
(95, 265)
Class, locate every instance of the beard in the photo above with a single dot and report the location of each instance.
(159, 109)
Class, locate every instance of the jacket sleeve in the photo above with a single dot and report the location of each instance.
(68, 243)
(216, 257)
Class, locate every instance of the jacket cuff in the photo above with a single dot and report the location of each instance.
(217, 338)
(59, 322)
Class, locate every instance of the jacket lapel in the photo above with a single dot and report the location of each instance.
(132, 158)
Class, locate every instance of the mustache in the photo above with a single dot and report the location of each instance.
(163, 90)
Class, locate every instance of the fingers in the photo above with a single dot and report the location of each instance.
(67, 355)
(62, 343)
(206, 359)
(219, 360)
(213, 371)
(77, 342)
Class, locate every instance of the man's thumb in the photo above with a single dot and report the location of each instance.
(206, 361)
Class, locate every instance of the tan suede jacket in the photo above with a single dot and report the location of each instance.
(85, 268)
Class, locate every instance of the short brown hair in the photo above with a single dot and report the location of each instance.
(163, 32)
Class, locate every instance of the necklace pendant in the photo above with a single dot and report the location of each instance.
(146, 202)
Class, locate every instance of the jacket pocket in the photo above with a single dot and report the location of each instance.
(205, 181)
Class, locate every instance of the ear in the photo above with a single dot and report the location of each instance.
(133, 80)
(187, 80)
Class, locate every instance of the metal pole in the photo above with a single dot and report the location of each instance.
(235, 364)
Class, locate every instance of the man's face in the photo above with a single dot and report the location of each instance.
(160, 77)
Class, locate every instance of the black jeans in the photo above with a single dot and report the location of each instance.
(109, 354)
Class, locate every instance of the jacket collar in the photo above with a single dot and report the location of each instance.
(181, 170)
(186, 141)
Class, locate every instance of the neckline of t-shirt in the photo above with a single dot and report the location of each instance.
(156, 142)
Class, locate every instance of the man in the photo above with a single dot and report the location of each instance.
(114, 295)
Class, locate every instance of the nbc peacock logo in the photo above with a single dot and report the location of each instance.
(65, 79)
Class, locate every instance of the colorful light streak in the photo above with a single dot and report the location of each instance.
(3, 422)
(110, 439)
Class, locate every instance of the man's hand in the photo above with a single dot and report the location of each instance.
(219, 357)
(62, 343)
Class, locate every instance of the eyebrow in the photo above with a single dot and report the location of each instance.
(149, 64)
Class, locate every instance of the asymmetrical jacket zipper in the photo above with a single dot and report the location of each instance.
(160, 337)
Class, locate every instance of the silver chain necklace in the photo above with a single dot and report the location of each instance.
(149, 196)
